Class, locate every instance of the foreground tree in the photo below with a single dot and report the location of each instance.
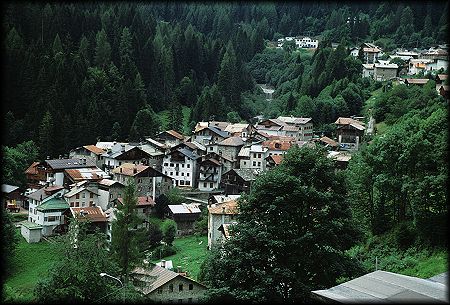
(76, 277)
(124, 243)
(9, 242)
(292, 231)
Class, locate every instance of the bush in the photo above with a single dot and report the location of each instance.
(169, 230)
(405, 235)
(163, 251)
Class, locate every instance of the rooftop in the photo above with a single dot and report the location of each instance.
(53, 204)
(232, 141)
(226, 208)
(184, 208)
(86, 174)
(386, 287)
(96, 150)
(94, 214)
(70, 163)
(6, 188)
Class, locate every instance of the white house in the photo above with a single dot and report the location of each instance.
(82, 194)
(51, 215)
(39, 197)
(306, 42)
(219, 215)
(181, 165)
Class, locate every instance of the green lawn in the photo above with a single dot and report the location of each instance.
(381, 127)
(190, 254)
(429, 266)
(31, 263)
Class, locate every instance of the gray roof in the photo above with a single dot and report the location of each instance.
(36, 195)
(385, 287)
(188, 153)
(232, 141)
(69, 163)
(440, 278)
(218, 131)
(248, 174)
(155, 277)
(6, 188)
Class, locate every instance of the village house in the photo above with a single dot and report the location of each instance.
(53, 171)
(370, 53)
(368, 70)
(209, 135)
(278, 147)
(415, 66)
(145, 206)
(155, 153)
(354, 51)
(273, 161)
(305, 127)
(11, 197)
(416, 81)
(327, 142)
(36, 176)
(169, 138)
(40, 196)
(52, 216)
(121, 153)
(88, 152)
(220, 214)
(82, 194)
(185, 216)
(240, 130)
(219, 124)
(349, 133)
(97, 219)
(181, 165)
(193, 146)
(210, 172)
(236, 181)
(108, 191)
(306, 43)
(216, 199)
(162, 285)
(80, 174)
(228, 148)
(383, 70)
(435, 54)
(148, 180)
(272, 127)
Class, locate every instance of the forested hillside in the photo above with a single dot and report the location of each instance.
(79, 73)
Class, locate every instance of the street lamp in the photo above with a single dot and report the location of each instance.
(115, 278)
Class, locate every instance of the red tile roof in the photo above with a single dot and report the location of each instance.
(130, 169)
(96, 150)
(32, 170)
(277, 159)
(94, 214)
(175, 134)
(229, 208)
(277, 144)
(141, 201)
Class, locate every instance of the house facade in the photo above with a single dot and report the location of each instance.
(218, 215)
(349, 133)
(385, 71)
(51, 216)
(236, 181)
(83, 195)
(181, 166)
(185, 216)
(210, 172)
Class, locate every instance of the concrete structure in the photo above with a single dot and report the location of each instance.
(164, 286)
(368, 70)
(384, 71)
(387, 287)
(39, 197)
(88, 152)
(121, 153)
(31, 231)
(219, 215)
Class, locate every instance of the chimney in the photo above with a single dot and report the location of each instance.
(163, 263)
(48, 158)
(123, 147)
(135, 170)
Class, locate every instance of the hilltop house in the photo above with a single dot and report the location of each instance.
(383, 70)
(370, 53)
(220, 214)
(349, 133)
(162, 285)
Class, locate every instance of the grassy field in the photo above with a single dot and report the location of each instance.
(381, 127)
(191, 252)
(31, 263)
(428, 265)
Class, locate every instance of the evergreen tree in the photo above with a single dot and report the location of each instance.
(102, 49)
(124, 243)
(46, 139)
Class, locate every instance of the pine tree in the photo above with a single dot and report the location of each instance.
(102, 49)
(46, 135)
(124, 242)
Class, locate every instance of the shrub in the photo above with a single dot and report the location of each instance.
(405, 235)
(163, 251)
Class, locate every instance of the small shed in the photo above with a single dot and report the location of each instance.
(32, 232)
(184, 215)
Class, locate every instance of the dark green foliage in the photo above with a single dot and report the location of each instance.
(9, 242)
(155, 234)
(161, 203)
(169, 230)
(76, 278)
(300, 241)
(145, 124)
(163, 251)
(124, 243)
(16, 160)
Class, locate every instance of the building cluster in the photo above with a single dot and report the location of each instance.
(301, 42)
(429, 61)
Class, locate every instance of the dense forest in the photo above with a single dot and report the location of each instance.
(76, 73)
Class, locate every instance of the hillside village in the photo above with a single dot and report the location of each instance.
(217, 162)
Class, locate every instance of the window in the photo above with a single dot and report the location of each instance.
(91, 203)
(171, 287)
(181, 182)
(191, 286)
(165, 164)
(77, 204)
(171, 164)
(83, 204)
(254, 155)
(176, 173)
(91, 195)
(165, 172)
(171, 173)
(211, 148)
(71, 204)
(140, 180)
(180, 287)
(245, 163)
(83, 195)
(188, 166)
(188, 182)
(259, 155)
(52, 218)
(211, 185)
(182, 165)
(45, 218)
(182, 174)
(77, 196)
(259, 163)
(187, 174)
(254, 163)
(204, 184)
